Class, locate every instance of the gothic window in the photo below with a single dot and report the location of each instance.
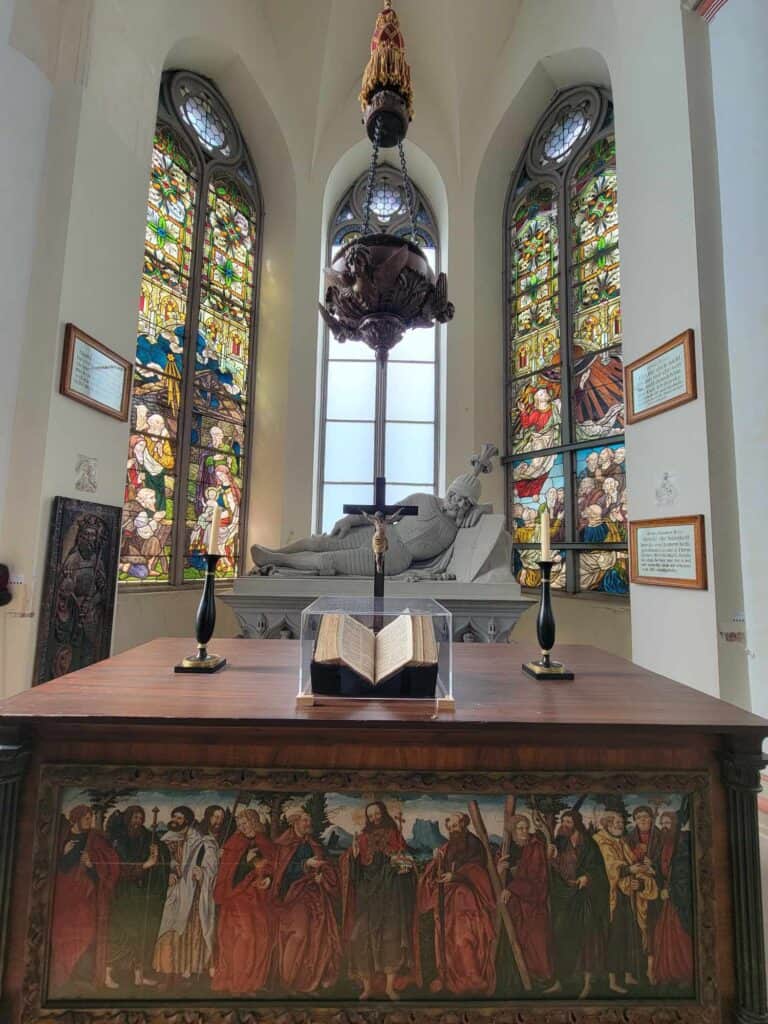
(356, 421)
(564, 376)
(191, 408)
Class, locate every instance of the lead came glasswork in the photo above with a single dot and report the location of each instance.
(535, 330)
(221, 361)
(148, 512)
(564, 199)
(205, 443)
(569, 127)
(598, 384)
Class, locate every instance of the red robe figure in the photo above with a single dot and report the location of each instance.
(455, 886)
(673, 949)
(87, 873)
(379, 900)
(305, 885)
(245, 929)
(527, 897)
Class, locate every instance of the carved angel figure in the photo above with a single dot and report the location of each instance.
(360, 282)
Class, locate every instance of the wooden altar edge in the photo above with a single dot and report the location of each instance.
(259, 687)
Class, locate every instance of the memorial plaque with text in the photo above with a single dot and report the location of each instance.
(668, 552)
(662, 379)
(94, 375)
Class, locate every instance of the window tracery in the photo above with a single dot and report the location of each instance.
(355, 420)
(563, 356)
(191, 409)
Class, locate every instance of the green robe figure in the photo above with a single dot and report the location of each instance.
(579, 900)
(139, 897)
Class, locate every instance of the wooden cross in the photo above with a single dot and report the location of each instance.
(381, 507)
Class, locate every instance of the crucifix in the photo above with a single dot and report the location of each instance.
(380, 515)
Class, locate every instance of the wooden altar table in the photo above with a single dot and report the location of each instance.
(609, 743)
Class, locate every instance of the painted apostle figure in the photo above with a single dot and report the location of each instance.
(456, 887)
(379, 901)
(184, 947)
(139, 895)
(86, 876)
(306, 887)
(246, 917)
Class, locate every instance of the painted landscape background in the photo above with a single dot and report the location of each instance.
(341, 896)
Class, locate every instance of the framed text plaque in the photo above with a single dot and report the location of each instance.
(95, 375)
(668, 552)
(662, 379)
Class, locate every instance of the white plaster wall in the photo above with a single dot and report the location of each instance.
(25, 100)
(740, 78)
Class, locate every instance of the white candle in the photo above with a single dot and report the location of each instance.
(213, 536)
(546, 551)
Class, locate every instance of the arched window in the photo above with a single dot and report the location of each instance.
(356, 421)
(564, 378)
(191, 408)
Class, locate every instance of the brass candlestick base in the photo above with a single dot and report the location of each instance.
(203, 662)
(204, 623)
(545, 668)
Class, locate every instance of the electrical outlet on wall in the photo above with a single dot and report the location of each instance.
(15, 579)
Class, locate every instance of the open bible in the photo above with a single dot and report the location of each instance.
(406, 642)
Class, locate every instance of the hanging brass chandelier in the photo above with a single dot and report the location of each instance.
(380, 285)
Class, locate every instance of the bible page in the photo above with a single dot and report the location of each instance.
(327, 644)
(356, 646)
(429, 644)
(394, 647)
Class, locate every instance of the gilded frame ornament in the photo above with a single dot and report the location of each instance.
(704, 1009)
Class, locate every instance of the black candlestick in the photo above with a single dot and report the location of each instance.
(545, 668)
(204, 623)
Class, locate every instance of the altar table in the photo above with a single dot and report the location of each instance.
(562, 758)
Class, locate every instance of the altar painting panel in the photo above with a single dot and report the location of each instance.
(349, 886)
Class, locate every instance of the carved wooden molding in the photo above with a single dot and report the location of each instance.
(13, 763)
(741, 775)
(704, 1010)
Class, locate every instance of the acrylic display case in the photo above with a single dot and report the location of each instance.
(419, 627)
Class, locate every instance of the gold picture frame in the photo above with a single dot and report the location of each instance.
(68, 792)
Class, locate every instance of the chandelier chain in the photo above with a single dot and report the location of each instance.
(372, 175)
(408, 192)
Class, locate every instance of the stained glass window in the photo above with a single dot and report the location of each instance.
(404, 427)
(564, 372)
(190, 410)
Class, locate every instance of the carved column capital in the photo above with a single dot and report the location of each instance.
(740, 768)
(13, 761)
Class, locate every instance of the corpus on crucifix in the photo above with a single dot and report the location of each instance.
(380, 515)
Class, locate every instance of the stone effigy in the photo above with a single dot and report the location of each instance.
(456, 550)
(421, 547)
